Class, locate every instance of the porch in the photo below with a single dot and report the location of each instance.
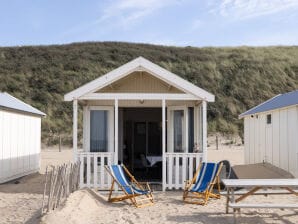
(145, 117)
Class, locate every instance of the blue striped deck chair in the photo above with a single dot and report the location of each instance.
(200, 188)
(139, 193)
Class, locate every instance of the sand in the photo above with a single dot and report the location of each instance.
(90, 208)
(21, 203)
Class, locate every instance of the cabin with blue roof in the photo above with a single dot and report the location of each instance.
(271, 132)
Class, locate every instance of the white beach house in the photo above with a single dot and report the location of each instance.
(271, 132)
(144, 116)
(20, 127)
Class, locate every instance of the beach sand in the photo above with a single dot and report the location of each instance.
(21, 203)
(91, 208)
(21, 200)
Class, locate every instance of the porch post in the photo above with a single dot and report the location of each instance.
(75, 130)
(164, 175)
(204, 131)
(116, 132)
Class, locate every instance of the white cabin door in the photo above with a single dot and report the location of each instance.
(101, 129)
(177, 129)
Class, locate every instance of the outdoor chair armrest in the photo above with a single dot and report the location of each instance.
(144, 185)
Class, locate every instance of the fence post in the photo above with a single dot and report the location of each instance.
(59, 143)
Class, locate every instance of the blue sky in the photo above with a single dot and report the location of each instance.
(167, 22)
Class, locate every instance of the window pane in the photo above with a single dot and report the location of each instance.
(178, 130)
(268, 118)
(98, 131)
(190, 129)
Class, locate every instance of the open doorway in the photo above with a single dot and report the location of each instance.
(142, 142)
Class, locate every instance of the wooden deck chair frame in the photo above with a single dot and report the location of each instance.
(201, 198)
(138, 200)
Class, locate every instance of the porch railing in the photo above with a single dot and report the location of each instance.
(179, 167)
(92, 171)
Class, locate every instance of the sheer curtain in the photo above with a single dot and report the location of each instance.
(178, 130)
(98, 131)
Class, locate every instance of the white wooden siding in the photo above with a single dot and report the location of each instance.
(246, 140)
(283, 156)
(252, 136)
(262, 120)
(276, 143)
(19, 144)
(257, 154)
(268, 148)
(292, 140)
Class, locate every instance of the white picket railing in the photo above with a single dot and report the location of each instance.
(92, 171)
(179, 167)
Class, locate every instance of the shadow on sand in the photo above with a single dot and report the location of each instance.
(102, 197)
(31, 184)
(218, 217)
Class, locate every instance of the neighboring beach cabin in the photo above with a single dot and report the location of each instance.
(145, 117)
(20, 127)
(271, 132)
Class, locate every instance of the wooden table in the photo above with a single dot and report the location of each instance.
(258, 186)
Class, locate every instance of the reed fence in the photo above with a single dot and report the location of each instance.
(60, 181)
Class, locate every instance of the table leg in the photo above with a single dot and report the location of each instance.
(233, 201)
(228, 199)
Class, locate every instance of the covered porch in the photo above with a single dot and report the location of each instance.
(145, 117)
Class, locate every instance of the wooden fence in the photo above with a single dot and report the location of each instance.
(60, 181)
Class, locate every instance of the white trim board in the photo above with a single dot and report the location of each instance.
(139, 64)
(138, 96)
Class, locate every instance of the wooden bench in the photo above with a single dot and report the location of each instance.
(281, 206)
(258, 187)
(260, 192)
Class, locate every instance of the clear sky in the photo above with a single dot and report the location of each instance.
(167, 22)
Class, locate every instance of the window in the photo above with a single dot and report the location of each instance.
(98, 131)
(178, 130)
(269, 119)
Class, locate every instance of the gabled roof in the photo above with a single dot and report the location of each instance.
(279, 101)
(9, 102)
(139, 64)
